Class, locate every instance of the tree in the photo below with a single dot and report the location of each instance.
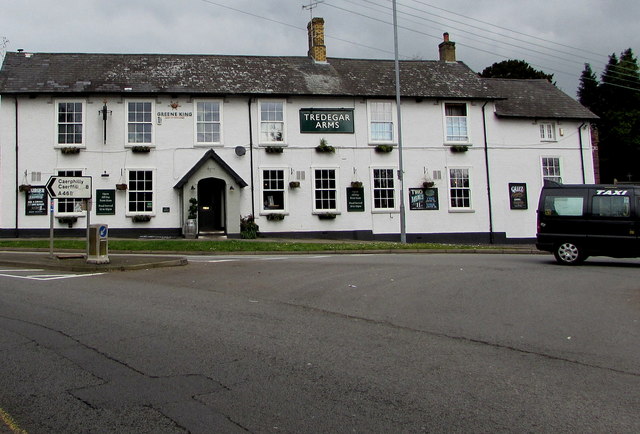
(516, 69)
(616, 100)
(588, 91)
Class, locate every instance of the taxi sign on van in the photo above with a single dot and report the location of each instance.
(611, 192)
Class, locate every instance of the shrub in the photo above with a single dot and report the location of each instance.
(248, 227)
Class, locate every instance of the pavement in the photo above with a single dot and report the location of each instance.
(70, 261)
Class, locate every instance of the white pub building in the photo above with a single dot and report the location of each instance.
(308, 145)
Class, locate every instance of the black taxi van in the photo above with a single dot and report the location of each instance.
(578, 221)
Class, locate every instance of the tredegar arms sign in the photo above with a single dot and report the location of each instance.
(326, 121)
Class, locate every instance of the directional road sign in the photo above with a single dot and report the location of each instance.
(69, 187)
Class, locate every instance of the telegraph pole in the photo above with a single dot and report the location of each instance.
(403, 223)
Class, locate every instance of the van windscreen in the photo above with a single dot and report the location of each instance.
(563, 205)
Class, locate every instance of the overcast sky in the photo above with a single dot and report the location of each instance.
(556, 36)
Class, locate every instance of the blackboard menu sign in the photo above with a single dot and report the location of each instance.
(355, 199)
(36, 201)
(518, 195)
(423, 199)
(105, 202)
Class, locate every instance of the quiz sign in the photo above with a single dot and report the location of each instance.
(326, 121)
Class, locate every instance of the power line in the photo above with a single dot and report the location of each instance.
(572, 74)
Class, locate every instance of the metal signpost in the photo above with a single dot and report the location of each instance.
(69, 187)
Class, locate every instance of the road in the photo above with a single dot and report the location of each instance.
(333, 343)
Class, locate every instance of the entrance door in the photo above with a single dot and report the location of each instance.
(211, 205)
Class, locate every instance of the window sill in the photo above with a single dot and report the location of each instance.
(273, 144)
(209, 145)
(449, 144)
(139, 145)
(69, 214)
(326, 211)
(461, 211)
(385, 211)
(268, 212)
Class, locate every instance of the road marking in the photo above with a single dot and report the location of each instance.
(221, 260)
(16, 270)
(46, 277)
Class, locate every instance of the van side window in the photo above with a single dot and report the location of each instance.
(563, 205)
(610, 206)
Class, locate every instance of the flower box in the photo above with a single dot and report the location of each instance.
(121, 187)
(384, 149)
(275, 217)
(68, 150)
(274, 149)
(294, 184)
(324, 147)
(69, 221)
(24, 188)
(140, 149)
(140, 218)
(459, 148)
(327, 216)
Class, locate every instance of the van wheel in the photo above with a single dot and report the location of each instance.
(568, 253)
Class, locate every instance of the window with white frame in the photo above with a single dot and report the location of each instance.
(459, 188)
(547, 132)
(455, 115)
(208, 122)
(325, 190)
(272, 122)
(69, 206)
(381, 121)
(139, 122)
(384, 197)
(70, 123)
(551, 169)
(140, 191)
(273, 191)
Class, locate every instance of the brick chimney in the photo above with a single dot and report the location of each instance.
(317, 49)
(447, 49)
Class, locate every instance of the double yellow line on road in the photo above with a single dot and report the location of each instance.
(10, 423)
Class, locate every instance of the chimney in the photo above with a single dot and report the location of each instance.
(447, 49)
(317, 49)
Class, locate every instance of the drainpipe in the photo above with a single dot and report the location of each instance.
(253, 199)
(17, 234)
(584, 179)
(486, 163)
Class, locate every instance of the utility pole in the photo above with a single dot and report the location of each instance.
(403, 223)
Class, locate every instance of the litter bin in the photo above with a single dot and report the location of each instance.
(98, 244)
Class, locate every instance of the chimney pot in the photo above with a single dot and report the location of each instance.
(445, 36)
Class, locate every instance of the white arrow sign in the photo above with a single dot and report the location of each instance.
(69, 187)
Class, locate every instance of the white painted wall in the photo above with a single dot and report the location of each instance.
(514, 150)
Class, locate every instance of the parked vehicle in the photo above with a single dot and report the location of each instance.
(578, 221)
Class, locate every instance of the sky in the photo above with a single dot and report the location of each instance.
(555, 36)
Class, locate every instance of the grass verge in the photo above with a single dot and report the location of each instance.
(226, 246)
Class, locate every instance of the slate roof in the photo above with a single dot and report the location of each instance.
(536, 99)
(235, 75)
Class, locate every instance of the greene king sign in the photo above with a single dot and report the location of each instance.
(326, 121)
